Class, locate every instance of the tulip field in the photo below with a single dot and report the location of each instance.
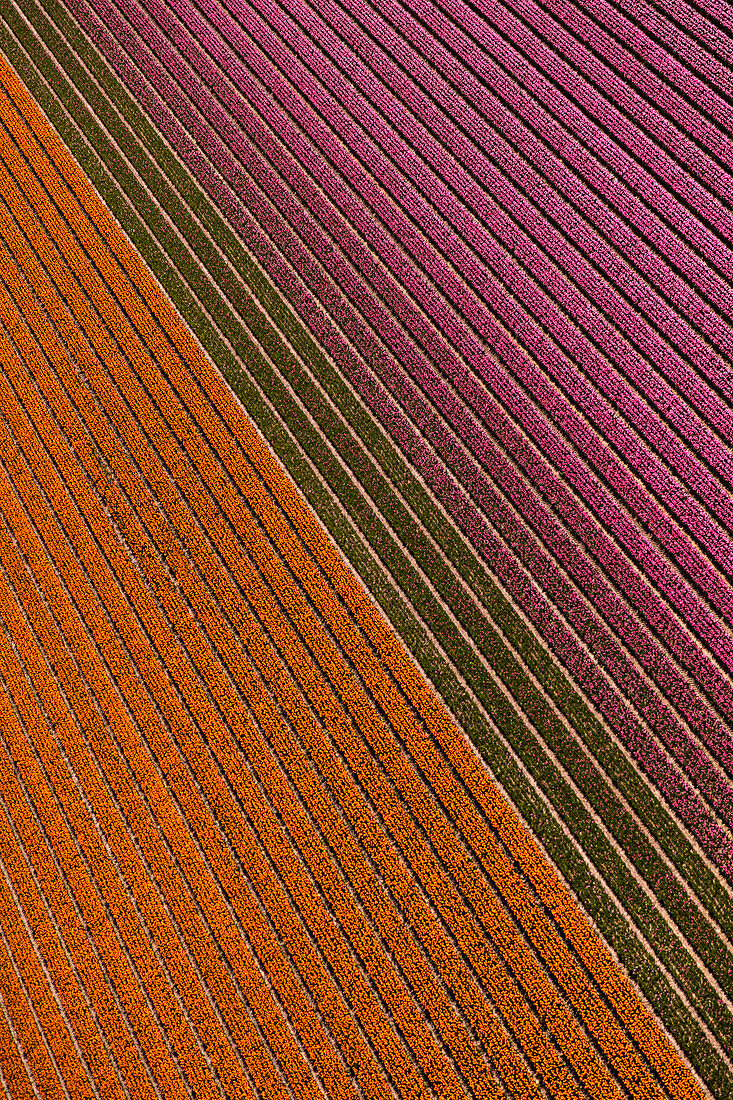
(366, 550)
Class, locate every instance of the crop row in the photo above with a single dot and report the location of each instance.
(12, 1060)
(38, 1024)
(127, 954)
(455, 56)
(58, 900)
(127, 893)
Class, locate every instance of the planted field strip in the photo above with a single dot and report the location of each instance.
(262, 859)
(640, 666)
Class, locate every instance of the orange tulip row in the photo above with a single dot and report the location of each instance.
(54, 910)
(13, 1065)
(118, 941)
(43, 1030)
(454, 794)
